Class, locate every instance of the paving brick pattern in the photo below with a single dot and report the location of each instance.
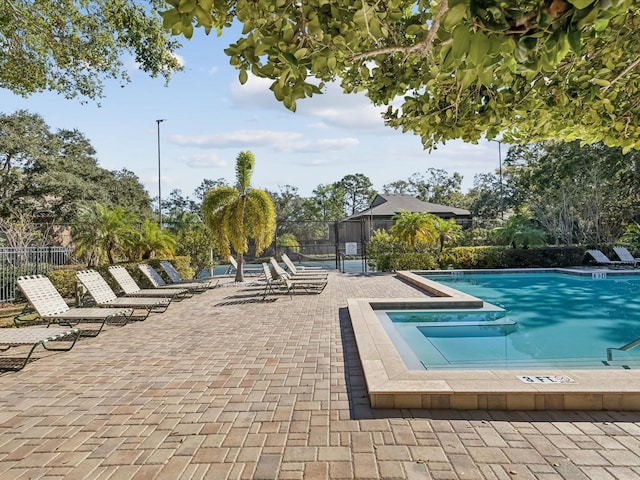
(224, 385)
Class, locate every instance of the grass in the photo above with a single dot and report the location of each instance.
(7, 312)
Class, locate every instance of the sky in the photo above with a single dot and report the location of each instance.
(209, 118)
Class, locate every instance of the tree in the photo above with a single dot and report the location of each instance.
(519, 230)
(528, 70)
(415, 229)
(72, 47)
(296, 216)
(579, 194)
(435, 186)
(100, 232)
(330, 201)
(446, 231)
(155, 241)
(233, 215)
(358, 192)
(54, 173)
(485, 198)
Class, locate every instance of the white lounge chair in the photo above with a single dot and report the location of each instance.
(129, 286)
(32, 337)
(51, 307)
(158, 282)
(287, 260)
(309, 285)
(104, 296)
(233, 268)
(296, 273)
(176, 279)
(626, 256)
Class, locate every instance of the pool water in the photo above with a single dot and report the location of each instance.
(532, 321)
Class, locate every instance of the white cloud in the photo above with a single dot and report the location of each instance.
(332, 108)
(205, 160)
(213, 70)
(290, 142)
(237, 139)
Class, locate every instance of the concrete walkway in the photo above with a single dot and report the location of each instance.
(227, 386)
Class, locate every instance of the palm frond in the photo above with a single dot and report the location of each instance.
(245, 163)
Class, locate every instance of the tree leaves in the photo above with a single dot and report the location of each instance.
(463, 69)
(72, 47)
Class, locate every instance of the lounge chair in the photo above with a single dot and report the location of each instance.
(319, 278)
(176, 279)
(51, 307)
(158, 282)
(34, 336)
(129, 286)
(308, 285)
(626, 256)
(104, 296)
(233, 268)
(602, 259)
(275, 284)
(295, 272)
(287, 261)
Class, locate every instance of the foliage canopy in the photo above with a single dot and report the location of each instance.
(70, 47)
(525, 70)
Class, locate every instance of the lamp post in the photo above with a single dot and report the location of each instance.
(500, 177)
(158, 122)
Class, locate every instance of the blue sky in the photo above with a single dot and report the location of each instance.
(210, 117)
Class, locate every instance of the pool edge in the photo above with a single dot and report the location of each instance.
(391, 385)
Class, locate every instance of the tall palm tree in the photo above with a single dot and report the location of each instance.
(413, 228)
(235, 214)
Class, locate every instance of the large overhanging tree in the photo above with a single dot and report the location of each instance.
(72, 47)
(523, 70)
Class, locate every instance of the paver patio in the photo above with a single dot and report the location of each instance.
(224, 385)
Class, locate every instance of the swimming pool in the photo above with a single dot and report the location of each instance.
(533, 320)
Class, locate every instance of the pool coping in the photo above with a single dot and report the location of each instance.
(391, 385)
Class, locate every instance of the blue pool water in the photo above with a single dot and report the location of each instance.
(532, 321)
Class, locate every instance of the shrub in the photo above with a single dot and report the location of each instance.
(65, 280)
(412, 261)
(544, 257)
(472, 257)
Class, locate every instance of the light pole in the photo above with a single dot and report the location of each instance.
(500, 177)
(158, 122)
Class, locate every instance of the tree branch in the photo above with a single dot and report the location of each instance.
(624, 72)
(423, 48)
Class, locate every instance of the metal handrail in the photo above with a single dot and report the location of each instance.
(624, 348)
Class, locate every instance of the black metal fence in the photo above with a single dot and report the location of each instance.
(18, 261)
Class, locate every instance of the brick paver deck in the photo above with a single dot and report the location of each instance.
(224, 385)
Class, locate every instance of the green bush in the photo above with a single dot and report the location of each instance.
(412, 261)
(65, 280)
(472, 257)
(543, 257)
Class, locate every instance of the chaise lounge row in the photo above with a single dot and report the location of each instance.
(58, 323)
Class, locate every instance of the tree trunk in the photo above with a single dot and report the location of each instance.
(240, 270)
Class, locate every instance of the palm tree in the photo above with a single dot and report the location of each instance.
(155, 241)
(413, 228)
(99, 232)
(446, 230)
(518, 230)
(235, 214)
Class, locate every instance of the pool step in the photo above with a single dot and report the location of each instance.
(473, 323)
